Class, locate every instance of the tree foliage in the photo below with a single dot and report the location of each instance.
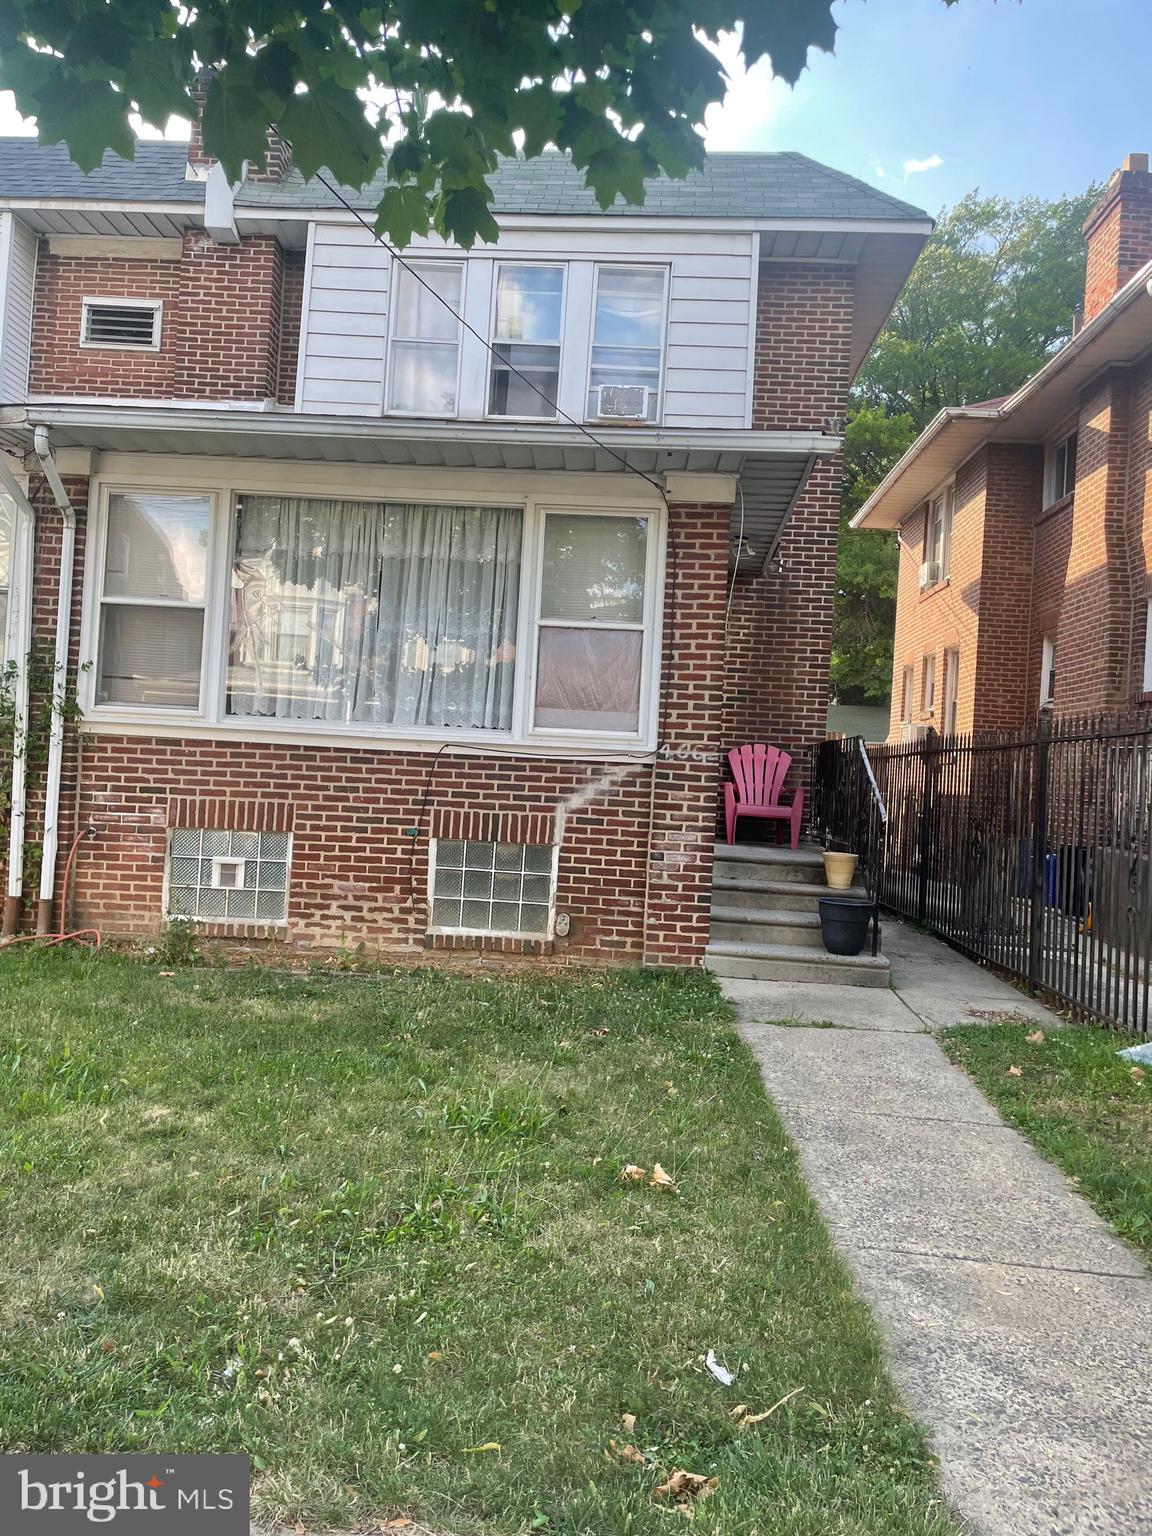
(994, 293)
(623, 87)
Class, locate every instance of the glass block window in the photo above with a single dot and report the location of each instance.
(222, 877)
(503, 888)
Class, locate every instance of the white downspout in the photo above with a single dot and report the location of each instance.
(51, 838)
(20, 631)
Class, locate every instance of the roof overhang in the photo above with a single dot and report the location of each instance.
(768, 470)
(75, 216)
(1117, 337)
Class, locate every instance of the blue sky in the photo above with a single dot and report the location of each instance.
(928, 101)
(1011, 96)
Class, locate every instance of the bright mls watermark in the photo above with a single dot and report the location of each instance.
(60, 1495)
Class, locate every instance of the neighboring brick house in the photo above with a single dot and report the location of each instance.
(1025, 524)
(373, 644)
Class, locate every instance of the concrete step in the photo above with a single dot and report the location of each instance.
(799, 929)
(747, 890)
(787, 962)
(763, 861)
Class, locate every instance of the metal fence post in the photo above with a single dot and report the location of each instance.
(927, 819)
(1039, 853)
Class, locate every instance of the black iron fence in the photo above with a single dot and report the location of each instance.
(849, 813)
(1031, 850)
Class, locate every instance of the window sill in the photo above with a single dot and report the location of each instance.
(278, 932)
(1054, 508)
(238, 733)
(490, 942)
(936, 588)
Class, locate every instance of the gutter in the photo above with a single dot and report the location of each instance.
(51, 835)
(24, 542)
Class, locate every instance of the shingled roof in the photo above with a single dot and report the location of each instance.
(38, 171)
(728, 186)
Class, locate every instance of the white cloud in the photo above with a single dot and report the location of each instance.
(754, 98)
(878, 172)
(914, 167)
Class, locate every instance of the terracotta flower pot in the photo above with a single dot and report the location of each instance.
(839, 869)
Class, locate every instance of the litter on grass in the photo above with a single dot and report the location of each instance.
(1140, 1053)
(721, 1372)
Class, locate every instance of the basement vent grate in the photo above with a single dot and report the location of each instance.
(121, 323)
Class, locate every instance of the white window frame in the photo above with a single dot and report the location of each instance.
(940, 553)
(950, 690)
(1051, 453)
(629, 266)
(541, 493)
(491, 933)
(928, 683)
(558, 342)
(653, 591)
(1148, 647)
(393, 311)
(908, 693)
(155, 305)
(1047, 671)
(95, 601)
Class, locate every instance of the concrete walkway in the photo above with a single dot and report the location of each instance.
(1017, 1323)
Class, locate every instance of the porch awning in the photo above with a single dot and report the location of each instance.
(771, 468)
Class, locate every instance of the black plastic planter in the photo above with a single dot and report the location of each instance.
(844, 924)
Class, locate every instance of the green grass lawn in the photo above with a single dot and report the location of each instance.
(1079, 1103)
(372, 1232)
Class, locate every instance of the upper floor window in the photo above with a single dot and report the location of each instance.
(1148, 649)
(938, 538)
(1060, 469)
(951, 699)
(907, 684)
(526, 341)
(928, 685)
(424, 366)
(123, 324)
(1047, 671)
(627, 343)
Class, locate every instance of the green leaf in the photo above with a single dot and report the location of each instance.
(88, 116)
(785, 30)
(615, 170)
(403, 212)
(463, 215)
(235, 120)
(537, 112)
(154, 80)
(326, 126)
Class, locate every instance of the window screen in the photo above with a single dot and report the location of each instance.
(503, 888)
(202, 870)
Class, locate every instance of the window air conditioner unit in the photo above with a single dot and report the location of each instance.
(929, 573)
(622, 402)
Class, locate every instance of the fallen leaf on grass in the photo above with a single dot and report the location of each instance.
(750, 1419)
(632, 1173)
(401, 1523)
(661, 1179)
(623, 1452)
(686, 1488)
(1037, 1037)
(1136, 1073)
(1014, 1072)
(739, 1411)
(434, 1354)
(629, 1421)
(670, 1090)
(489, 1445)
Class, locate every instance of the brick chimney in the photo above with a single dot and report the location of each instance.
(277, 159)
(1119, 234)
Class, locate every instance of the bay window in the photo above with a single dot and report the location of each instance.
(526, 337)
(590, 629)
(152, 600)
(371, 613)
(266, 612)
(424, 365)
(627, 343)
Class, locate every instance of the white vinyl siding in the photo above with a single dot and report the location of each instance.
(709, 303)
(18, 246)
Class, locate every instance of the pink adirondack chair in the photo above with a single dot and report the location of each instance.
(758, 774)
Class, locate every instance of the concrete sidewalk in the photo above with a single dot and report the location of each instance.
(1016, 1321)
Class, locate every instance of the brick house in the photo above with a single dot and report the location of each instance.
(1025, 524)
(373, 641)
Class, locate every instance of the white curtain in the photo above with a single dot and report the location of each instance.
(361, 612)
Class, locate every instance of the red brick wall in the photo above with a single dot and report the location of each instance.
(780, 628)
(635, 843)
(1006, 688)
(1119, 234)
(229, 313)
(291, 309)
